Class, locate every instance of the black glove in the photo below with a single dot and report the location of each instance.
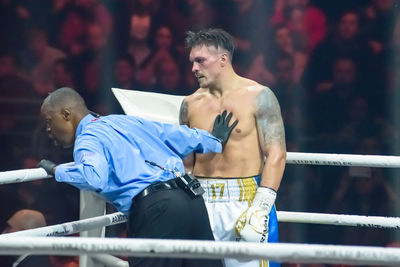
(47, 165)
(221, 129)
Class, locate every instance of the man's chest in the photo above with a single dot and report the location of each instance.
(202, 113)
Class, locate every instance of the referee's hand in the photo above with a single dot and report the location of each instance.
(221, 129)
(48, 165)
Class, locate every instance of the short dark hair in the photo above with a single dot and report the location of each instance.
(211, 37)
(63, 97)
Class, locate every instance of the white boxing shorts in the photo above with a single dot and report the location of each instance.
(226, 199)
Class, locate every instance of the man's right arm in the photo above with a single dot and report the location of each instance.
(184, 113)
(90, 170)
(188, 161)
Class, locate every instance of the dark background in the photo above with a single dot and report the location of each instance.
(334, 66)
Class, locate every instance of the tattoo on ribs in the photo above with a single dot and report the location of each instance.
(269, 119)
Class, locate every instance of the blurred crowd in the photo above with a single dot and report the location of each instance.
(334, 66)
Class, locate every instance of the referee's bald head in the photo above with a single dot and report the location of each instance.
(64, 97)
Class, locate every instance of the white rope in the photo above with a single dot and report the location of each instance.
(24, 175)
(110, 261)
(283, 216)
(343, 160)
(339, 219)
(281, 252)
(73, 227)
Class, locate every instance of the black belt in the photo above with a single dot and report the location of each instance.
(167, 185)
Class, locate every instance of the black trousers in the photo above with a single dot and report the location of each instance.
(170, 214)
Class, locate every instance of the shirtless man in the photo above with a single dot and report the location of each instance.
(241, 183)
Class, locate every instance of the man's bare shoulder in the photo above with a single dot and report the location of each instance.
(254, 87)
(197, 95)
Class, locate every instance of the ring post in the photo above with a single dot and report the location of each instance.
(90, 206)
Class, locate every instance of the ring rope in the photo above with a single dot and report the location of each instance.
(109, 261)
(343, 160)
(339, 219)
(280, 252)
(283, 216)
(72, 227)
(24, 175)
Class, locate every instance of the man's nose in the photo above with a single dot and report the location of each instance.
(195, 67)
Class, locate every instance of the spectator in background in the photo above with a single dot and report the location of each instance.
(292, 101)
(329, 106)
(41, 61)
(380, 17)
(306, 21)
(124, 78)
(63, 73)
(14, 88)
(97, 66)
(96, 43)
(264, 66)
(163, 50)
(70, 30)
(346, 41)
(155, 8)
(364, 191)
(362, 119)
(24, 220)
(248, 25)
(139, 47)
(288, 89)
(285, 44)
(98, 13)
(169, 81)
(184, 15)
(124, 72)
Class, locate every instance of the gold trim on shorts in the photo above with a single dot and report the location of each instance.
(228, 189)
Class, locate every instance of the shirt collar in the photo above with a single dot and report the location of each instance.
(85, 121)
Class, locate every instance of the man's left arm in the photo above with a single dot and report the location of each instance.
(252, 225)
(271, 137)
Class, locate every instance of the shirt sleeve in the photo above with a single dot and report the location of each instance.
(90, 170)
(184, 140)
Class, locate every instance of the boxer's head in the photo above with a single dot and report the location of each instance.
(62, 111)
(211, 53)
(24, 220)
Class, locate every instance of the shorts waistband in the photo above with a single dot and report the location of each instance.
(229, 189)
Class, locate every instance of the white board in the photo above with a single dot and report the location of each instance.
(151, 106)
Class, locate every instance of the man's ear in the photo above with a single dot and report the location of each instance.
(224, 59)
(66, 114)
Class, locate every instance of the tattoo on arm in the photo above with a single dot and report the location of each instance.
(183, 114)
(269, 120)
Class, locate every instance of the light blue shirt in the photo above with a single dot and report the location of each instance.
(110, 154)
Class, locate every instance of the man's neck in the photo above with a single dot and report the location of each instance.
(227, 83)
(78, 117)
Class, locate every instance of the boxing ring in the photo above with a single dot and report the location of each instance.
(95, 250)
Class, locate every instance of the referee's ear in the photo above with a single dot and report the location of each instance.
(66, 114)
